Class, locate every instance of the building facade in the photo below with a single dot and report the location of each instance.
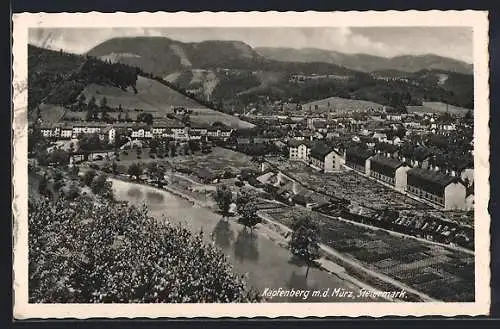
(324, 158)
(299, 151)
(390, 171)
(358, 159)
(442, 190)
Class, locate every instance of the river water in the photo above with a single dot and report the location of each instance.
(266, 264)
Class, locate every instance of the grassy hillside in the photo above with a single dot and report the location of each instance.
(151, 96)
(56, 79)
(158, 99)
(440, 107)
(339, 105)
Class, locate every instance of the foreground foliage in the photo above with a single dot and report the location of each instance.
(89, 251)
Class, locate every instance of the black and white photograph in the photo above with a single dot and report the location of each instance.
(269, 168)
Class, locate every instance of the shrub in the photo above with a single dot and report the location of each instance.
(82, 252)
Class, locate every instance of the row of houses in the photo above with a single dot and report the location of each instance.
(445, 190)
(109, 132)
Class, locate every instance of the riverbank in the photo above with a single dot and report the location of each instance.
(330, 262)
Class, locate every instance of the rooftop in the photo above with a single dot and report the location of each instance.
(320, 150)
(359, 152)
(436, 177)
(297, 143)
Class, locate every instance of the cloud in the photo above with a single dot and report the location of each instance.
(383, 41)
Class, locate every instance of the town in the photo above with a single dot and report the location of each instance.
(362, 195)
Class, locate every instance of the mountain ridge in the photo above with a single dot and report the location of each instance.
(367, 62)
(231, 74)
(155, 55)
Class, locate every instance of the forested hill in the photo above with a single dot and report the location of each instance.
(57, 77)
(232, 74)
(161, 56)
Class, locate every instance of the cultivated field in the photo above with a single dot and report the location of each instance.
(364, 192)
(341, 105)
(216, 162)
(441, 273)
(349, 185)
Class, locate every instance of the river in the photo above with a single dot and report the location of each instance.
(266, 264)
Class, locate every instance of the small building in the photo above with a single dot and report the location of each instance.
(299, 150)
(109, 134)
(46, 131)
(325, 158)
(242, 140)
(440, 189)
(93, 128)
(358, 159)
(389, 170)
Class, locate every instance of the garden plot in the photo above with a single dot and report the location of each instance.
(216, 162)
(442, 273)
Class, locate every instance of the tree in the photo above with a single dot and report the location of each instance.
(81, 100)
(99, 185)
(304, 242)
(186, 119)
(138, 151)
(59, 157)
(36, 140)
(90, 142)
(223, 197)
(135, 170)
(469, 116)
(242, 199)
(92, 106)
(103, 104)
(153, 145)
(156, 172)
(88, 177)
(248, 213)
(73, 192)
(145, 117)
(58, 181)
(114, 167)
(43, 188)
(74, 171)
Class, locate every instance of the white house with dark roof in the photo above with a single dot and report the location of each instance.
(325, 158)
(109, 134)
(299, 150)
(443, 190)
(358, 159)
(389, 170)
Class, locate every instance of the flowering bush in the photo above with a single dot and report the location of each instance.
(88, 251)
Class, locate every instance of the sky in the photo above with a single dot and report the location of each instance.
(453, 42)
